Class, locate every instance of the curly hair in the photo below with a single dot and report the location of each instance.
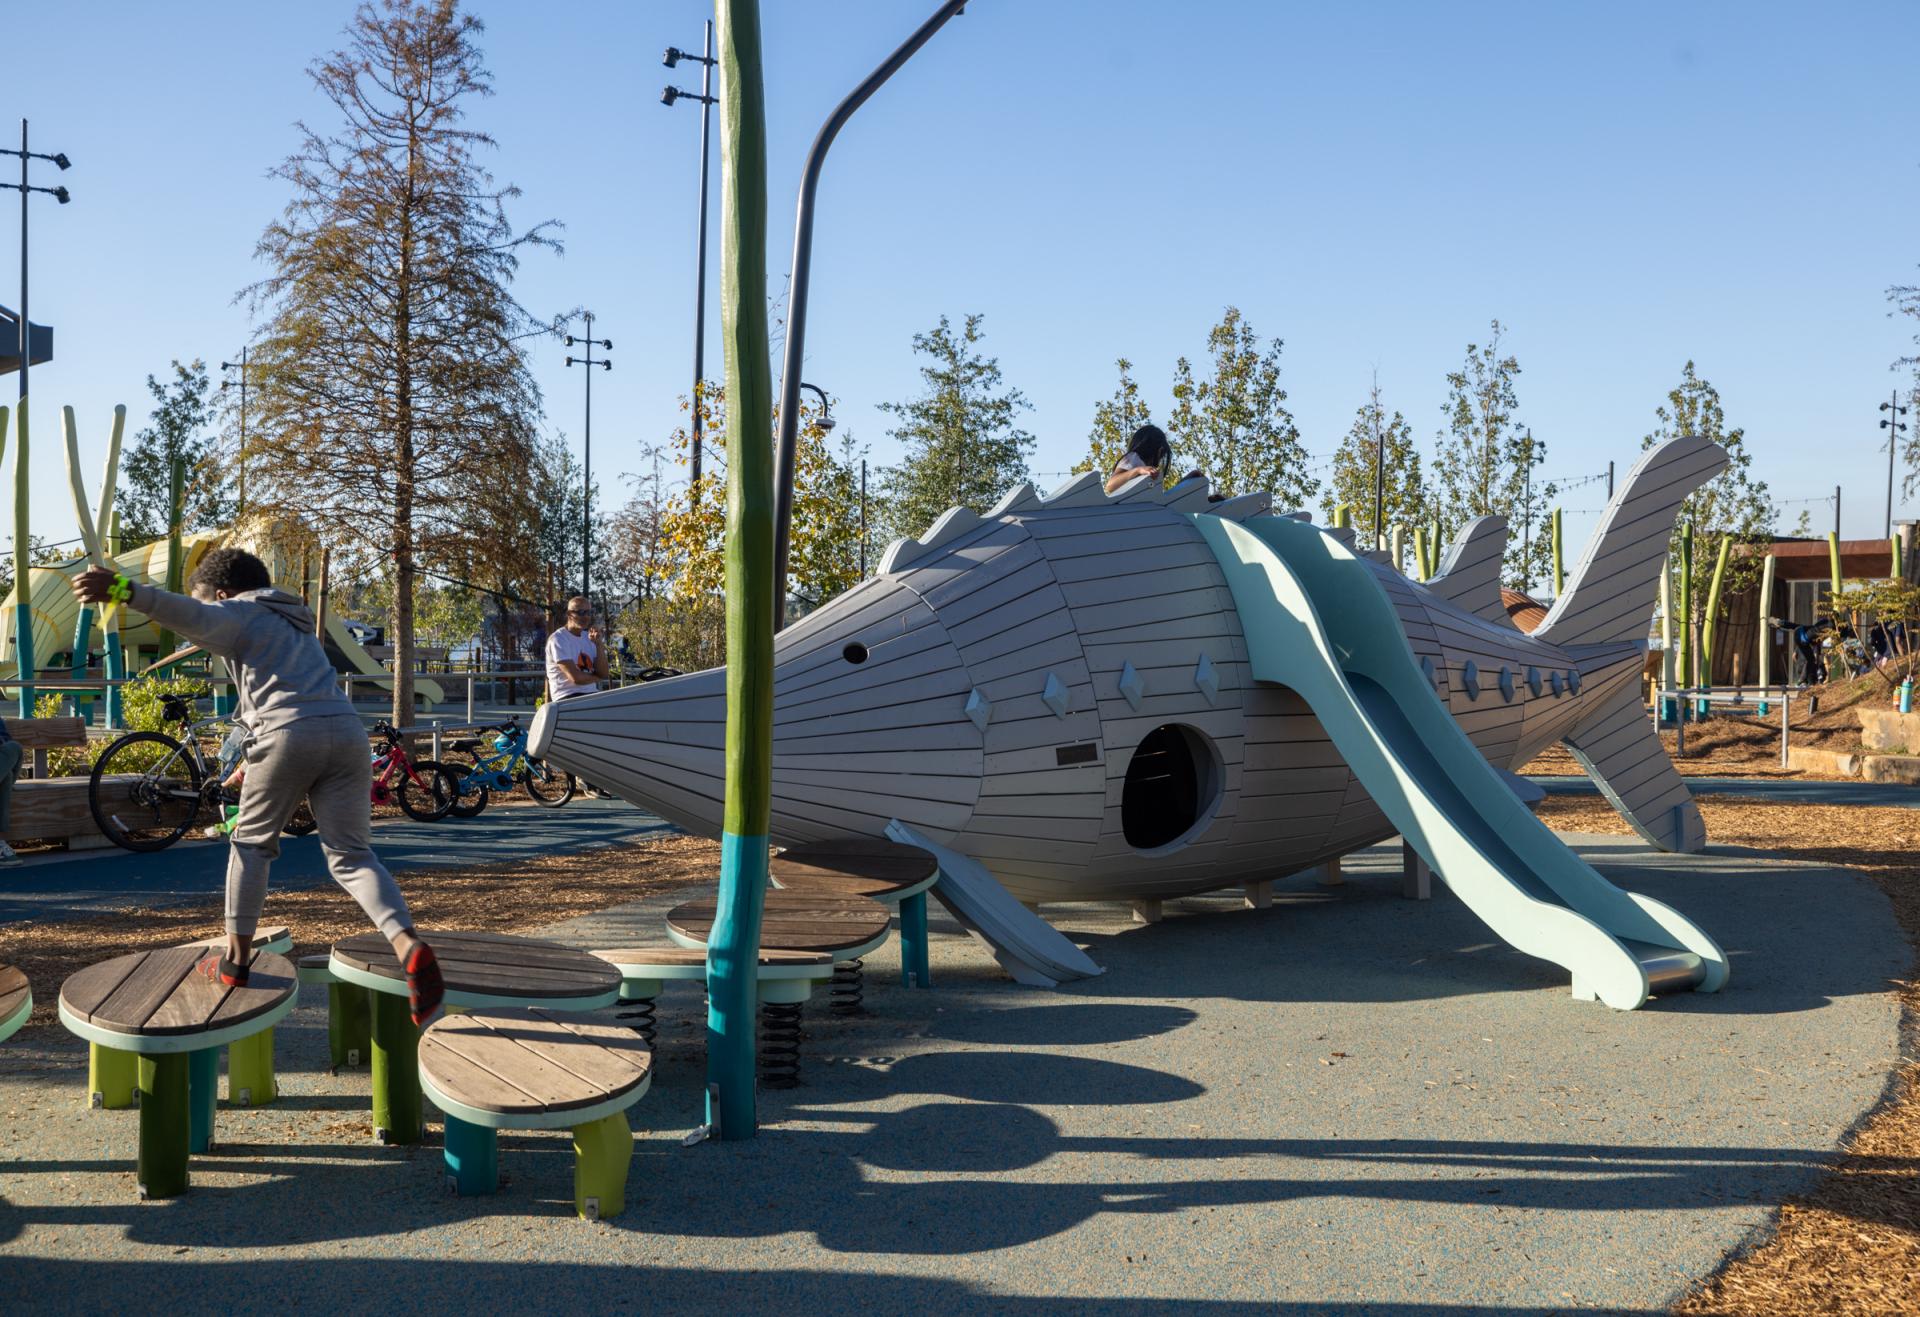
(234, 570)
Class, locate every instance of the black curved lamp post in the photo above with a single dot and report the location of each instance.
(789, 432)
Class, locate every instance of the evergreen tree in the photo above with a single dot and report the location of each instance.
(1375, 435)
(1234, 424)
(1732, 504)
(1486, 462)
(183, 414)
(963, 446)
(1114, 421)
(397, 414)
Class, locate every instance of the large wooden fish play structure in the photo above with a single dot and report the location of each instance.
(1150, 695)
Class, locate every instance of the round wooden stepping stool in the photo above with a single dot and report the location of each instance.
(873, 867)
(785, 980)
(844, 927)
(16, 1001)
(535, 1069)
(349, 1014)
(113, 1073)
(480, 970)
(152, 1004)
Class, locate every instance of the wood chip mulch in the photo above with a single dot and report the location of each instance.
(1851, 1245)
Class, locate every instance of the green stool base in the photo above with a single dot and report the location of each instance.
(164, 1102)
(349, 1025)
(602, 1150)
(397, 1114)
(250, 1078)
(113, 1077)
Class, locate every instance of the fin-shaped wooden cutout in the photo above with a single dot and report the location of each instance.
(899, 554)
(1190, 495)
(1342, 535)
(1469, 576)
(950, 526)
(1088, 489)
(1021, 498)
(1239, 509)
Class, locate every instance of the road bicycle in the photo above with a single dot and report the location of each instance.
(504, 765)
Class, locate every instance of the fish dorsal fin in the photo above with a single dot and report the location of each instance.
(950, 526)
(1342, 535)
(1142, 488)
(1469, 576)
(1086, 490)
(1021, 498)
(899, 554)
(1239, 509)
(1190, 495)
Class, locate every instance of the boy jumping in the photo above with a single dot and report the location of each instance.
(307, 743)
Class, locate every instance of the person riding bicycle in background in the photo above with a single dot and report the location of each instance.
(307, 743)
(577, 661)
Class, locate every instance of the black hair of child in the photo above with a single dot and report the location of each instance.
(1150, 441)
(234, 570)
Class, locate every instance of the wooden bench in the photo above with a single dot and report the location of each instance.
(843, 927)
(53, 808)
(534, 1069)
(113, 1073)
(879, 869)
(16, 1001)
(785, 980)
(153, 1004)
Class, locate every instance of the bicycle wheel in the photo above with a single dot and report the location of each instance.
(145, 791)
(548, 786)
(302, 822)
(432, 800)
(468, 801)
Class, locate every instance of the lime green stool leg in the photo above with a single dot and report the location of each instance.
(112, 1076)
(164, 1099)
(601, 1151)
(349, 1024)
(396, 1071)
(250, 1077)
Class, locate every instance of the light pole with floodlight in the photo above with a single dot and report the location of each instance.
(586, 528)
(59, 194)
(707, 101)
(1893, 425)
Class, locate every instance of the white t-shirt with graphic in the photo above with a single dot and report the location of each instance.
(566, 653)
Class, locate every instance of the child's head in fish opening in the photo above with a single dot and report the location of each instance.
(1148, 453)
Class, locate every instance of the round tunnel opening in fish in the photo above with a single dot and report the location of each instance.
(1172, 790)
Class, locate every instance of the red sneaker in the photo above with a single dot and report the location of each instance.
(426, 990)
(216, 968)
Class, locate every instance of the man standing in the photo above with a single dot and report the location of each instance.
(577, 663)
(576, 660)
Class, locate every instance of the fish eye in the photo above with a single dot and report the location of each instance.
(855, 652)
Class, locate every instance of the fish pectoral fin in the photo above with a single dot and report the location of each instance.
(1032, 950)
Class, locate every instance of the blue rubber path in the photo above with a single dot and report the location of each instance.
(100, 880)
(1787, 791)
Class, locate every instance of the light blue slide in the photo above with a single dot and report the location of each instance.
(1317, 621)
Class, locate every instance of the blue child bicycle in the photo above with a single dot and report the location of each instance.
(501, 763)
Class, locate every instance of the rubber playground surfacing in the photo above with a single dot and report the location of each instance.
(1351, 1103)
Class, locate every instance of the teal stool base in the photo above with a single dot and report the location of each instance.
(473, 1158)
(203, 1092)
(913, 942)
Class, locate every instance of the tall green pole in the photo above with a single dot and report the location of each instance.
(1766, 631)
(1833, 537)
(1713, 608)
(22, 562)
(116, 657)
(733, 948)
(1688, 660)
(1559, 557)
(176, 513)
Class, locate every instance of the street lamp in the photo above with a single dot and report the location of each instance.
(586, 528)
(1894, 426)
(795, 350)
(707, 101)
(59, 194)
(826, 417)
(225, 384)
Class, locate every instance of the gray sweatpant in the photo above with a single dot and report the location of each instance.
(325, 760)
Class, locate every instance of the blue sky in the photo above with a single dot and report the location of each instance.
(1624, 186)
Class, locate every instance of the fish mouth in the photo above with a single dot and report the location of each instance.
(658, 744)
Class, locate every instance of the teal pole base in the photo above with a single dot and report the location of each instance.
(82, 641)
(203, 1092)
(164, 1085)
(473, 1158)
(116, 669)
(733, 971)
(396, 1071)
(23, 649)
(913, 942)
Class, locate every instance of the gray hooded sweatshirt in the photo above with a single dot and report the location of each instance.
(266, 636)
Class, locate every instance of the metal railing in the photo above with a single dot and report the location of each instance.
(1670, 707)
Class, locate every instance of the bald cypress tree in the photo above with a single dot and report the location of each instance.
(394, 404)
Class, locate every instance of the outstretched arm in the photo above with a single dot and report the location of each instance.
(216, 628)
